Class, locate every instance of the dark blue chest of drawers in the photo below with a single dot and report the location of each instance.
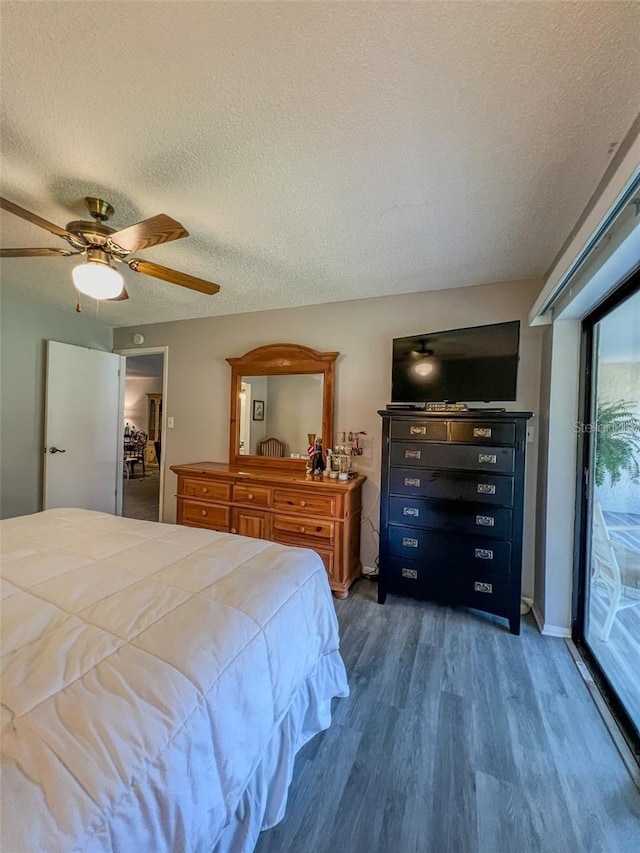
(451, 505)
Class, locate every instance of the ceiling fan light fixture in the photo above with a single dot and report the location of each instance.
(97, 278)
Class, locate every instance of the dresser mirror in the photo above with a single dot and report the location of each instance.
(281, 395)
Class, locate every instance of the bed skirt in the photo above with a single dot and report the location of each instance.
(264, 800)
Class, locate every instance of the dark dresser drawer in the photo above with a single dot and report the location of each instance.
(422, 430)
(453, 456)
(450, 552)
(479, 588)
(452, 485)
(472, 432)
(451, 517)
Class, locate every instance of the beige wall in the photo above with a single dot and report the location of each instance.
(362, 331)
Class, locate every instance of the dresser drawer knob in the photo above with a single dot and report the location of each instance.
(250, 496)
(484, 553)
(409, 542)
(486, 489)
(204, 490)
(303, 503)
(204, 512)
(482, 432)
(301, 529)
(479, 586)
(491, 458)
(233, 530)
(485, 520)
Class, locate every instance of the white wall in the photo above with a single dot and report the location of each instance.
(24, 328)
(362, 331)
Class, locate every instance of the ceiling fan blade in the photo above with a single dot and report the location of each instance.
(35, 253)
(151, 232)
(174, 277)
(5, 204)
(124, 295)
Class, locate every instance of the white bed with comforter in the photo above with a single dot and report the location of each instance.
(157, 682)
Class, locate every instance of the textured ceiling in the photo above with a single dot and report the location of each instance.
(315, 151)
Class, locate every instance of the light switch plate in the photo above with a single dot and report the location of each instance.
(169, 423)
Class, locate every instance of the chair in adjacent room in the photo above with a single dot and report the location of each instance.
(134, 452)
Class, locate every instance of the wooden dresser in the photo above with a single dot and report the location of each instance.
(281, 506)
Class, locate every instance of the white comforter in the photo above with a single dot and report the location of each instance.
(145, 669)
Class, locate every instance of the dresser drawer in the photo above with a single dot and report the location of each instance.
(301, 529)
(323, 505)
(453, 456)
(451, 517)
(482, 433)
(419, 430)
(450, 553)
(252, 495)
(478, 588)
(205, 489)
(203, 514)
(452, 485)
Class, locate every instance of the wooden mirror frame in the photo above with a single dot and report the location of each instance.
(280, 360)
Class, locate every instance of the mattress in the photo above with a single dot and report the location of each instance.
(156, 682)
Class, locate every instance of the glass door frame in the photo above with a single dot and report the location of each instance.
(582, 551)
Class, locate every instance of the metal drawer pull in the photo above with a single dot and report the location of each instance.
(482, 432)
(417, 430)
(412, 454)
(412, 481)
(410, 510)
(484, 553)
(409, 543)
(491, 458)
(410, 573)
(486, 489)
(479, 586)
(485, 520)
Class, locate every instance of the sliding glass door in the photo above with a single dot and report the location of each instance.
(609, 603)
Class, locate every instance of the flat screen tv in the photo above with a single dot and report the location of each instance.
(477, 364)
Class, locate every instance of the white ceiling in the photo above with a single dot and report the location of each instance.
(315, 151)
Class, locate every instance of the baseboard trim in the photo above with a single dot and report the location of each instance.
(549, 630)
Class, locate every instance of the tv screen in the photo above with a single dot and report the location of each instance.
(478, 364)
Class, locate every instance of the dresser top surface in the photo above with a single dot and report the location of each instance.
(265, 475)
(471, 415)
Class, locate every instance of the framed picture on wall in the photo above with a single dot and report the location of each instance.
(258, 410)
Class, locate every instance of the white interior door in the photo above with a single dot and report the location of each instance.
(83, 446)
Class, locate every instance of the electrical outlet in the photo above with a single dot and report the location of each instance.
(169, 423)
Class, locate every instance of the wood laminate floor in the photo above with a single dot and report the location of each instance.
(457, 738)
(141, 495)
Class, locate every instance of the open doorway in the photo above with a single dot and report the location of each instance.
(143, 427)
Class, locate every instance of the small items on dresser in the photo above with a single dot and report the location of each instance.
(451, 508)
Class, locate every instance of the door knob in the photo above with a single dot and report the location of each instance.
(56, 450)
